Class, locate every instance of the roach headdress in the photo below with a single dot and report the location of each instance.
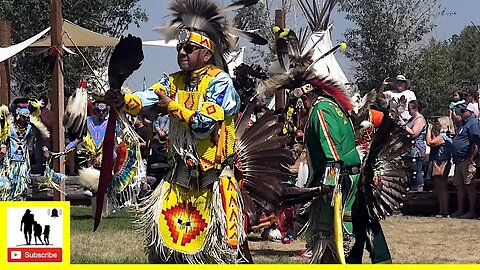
(204, 23)
(298, 75)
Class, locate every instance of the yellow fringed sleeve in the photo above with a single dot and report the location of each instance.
(133, 104)
(213, 111)
(183, 114)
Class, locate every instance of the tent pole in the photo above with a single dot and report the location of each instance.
(57, 93)
(280, 95)
(5, 40)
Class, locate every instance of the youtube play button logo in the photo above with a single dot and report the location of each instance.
(15, 255)
(26, 255)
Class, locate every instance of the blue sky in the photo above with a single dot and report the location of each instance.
(160, 59)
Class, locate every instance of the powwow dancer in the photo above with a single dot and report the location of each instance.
(367, 117)
(17, 136)
(195, 214)
(129, 169)
(336, 172)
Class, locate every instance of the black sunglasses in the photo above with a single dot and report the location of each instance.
(100, 110)
(187, 47)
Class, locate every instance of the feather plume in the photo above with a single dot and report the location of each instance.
(77, 110)
(205, 16)
(210, 18)
(4, 123)
(89, 178)
(386, 169)
(40, 126)
(35, 107)
(125, 59)
(335, 89)
(240, 4)
(366, 124)
(243, 122)
(248, 35)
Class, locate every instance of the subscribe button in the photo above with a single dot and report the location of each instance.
(41, 255)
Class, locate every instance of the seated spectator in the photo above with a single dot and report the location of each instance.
(438, 138)
(159, 141)
(161, 126)
(142, 131)
(464, 153)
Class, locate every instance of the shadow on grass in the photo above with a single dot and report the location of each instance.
(82, 220)
(81, 217)
(96, 260)
(255, 238)
(275, 252)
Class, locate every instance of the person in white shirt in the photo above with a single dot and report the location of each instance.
(401, 87)
(471, 97)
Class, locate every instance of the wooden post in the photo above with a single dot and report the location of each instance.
(58, 136)
(5, 40)
(280, 95)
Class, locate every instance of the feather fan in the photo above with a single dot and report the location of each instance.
(261, 161)
(386, 169)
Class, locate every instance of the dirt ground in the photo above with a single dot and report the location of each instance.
(410, 239)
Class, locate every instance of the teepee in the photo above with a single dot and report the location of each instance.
(321, 37)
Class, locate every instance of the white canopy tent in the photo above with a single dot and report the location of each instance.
(160, 42)
(10, 51)
(74, 35)
(80, 36)
(83, 37)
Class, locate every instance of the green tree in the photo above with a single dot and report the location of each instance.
(256, 18)
(466, 53)
(435, 77)
(30, 75)
(388, 35)
(446, 65)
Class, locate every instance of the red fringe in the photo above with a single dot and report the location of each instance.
(122, 152)
(333, 91)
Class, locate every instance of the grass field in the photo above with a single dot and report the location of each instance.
(411, 240)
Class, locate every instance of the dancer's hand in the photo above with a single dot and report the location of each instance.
(115, 98)
(163, 101)
(386, 81)
(71, 145)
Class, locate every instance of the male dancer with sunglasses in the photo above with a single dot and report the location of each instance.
(95, 132)
(195, 214)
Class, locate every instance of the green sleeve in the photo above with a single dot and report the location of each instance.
(324, 122)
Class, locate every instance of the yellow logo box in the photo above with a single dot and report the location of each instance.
(34, 232)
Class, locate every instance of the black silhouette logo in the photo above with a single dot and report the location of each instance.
(29, 226)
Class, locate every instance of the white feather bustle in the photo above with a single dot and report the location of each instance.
(89, 178)
(40, 126)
